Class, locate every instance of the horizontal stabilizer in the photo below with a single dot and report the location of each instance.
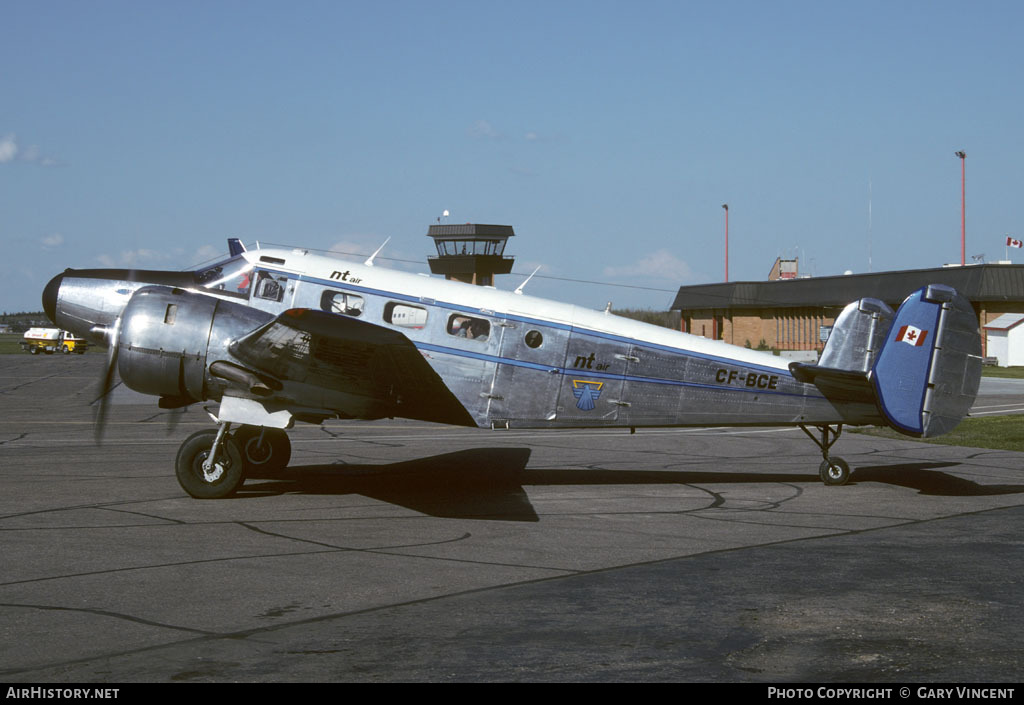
(850, 391)
(843, 374)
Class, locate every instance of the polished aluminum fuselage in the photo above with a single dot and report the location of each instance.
(541, 364)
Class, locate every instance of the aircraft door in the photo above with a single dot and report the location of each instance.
(591, 391)
(528, 376)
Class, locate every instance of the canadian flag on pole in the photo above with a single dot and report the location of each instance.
(911, 336)
(1010, 242)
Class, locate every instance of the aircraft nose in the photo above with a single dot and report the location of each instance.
(50, 297)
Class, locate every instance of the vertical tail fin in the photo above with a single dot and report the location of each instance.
(928, 370)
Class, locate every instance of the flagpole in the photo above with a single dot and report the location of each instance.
(963, 207)
(726, 207)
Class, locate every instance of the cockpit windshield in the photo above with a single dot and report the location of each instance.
(230, 277)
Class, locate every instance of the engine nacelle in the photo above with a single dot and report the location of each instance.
(167, 336)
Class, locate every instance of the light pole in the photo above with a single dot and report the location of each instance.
(726, 207)
(963, 207)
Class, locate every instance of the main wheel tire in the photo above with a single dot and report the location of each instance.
(226, 476)
(267, 458)
(64, 349)
(834, 471)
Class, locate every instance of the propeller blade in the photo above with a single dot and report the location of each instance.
(107, 383)
(174, 417)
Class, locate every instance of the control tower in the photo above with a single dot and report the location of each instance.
(471, 253)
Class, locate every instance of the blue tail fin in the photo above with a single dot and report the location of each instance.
(927, 372)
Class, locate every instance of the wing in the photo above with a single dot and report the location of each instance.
(353, 368)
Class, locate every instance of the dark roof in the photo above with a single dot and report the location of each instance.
(982, 282)
(470, 230)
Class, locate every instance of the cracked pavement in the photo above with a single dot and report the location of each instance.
(407, 551)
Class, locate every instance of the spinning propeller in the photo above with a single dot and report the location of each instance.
(107, 383)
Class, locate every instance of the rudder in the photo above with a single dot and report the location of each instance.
(927, 373)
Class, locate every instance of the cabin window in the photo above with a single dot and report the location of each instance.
(534, 339)
(404, 315)
(342, 302)
(469, 327)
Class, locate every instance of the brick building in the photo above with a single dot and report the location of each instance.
(797, 314)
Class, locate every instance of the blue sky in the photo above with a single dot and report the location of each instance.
(607, 133)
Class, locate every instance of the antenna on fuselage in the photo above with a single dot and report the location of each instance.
(519, 289)
(369, 260)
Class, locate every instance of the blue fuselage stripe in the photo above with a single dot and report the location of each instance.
(560, 369)
(591, 374)
(347, 286)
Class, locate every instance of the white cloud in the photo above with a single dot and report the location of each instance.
(357, 248)
(207, 254)
(133, 258)
(658, 265)
(8, 149)
(484, 129)
(55, 240)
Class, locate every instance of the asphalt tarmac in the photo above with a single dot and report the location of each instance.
(405, 551)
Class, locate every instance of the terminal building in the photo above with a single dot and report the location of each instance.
(790, 313)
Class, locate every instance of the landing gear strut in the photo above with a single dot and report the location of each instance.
(833, 469)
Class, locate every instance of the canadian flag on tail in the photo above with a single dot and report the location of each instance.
(1010, 242)
(911, 335)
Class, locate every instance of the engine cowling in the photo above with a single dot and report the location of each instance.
(167, 336)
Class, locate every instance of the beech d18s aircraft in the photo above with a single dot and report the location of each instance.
(278, 336)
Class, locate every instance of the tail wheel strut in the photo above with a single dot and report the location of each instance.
(833, 469)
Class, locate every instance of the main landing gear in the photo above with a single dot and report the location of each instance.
(833, 469)
(213, 464)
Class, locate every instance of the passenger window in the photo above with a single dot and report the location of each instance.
(469, 327)
(404, 315)
(342, 302)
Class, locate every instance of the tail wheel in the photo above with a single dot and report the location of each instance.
(222, 479)
(265, 451)
(834, 471)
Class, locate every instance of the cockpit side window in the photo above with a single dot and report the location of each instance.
(270, 287)
(231, 277)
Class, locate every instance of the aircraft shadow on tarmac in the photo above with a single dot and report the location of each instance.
(921, 477)
(487, 483)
